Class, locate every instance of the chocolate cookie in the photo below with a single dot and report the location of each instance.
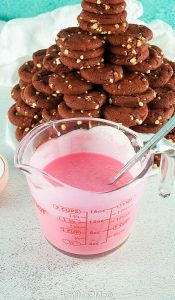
(100, 8)
(22, 84)
(154, 61)
(38, 57)
(23, 109)
(103, 18)
(133, 59)
(147, 128)
(137, 100)
(70, 84)
(37, 99)
(105, 1)
(40, 81)
(75, 39)
(65, 112)
(50, 115)
(17, 119)
(81, 63)
(91, 101)
(160, 76)
(165, 98)
(135, 36)
(21, 132)
(83, 54)
(16, 92)
(171, 82)
(26, 71)
(125, 115)
(159, 116)
(130, 84)
(103, 74)
(97, 28)
(52, 61)
(120, 51)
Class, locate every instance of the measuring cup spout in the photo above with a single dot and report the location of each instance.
(39, 176)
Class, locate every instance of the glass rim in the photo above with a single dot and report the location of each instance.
(42, 127)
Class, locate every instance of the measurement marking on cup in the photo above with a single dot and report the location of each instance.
(108, 226)
(86, 228)
(96, 226)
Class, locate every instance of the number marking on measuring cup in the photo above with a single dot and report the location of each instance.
(94, 227)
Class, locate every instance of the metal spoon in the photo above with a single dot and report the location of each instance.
(148, 146)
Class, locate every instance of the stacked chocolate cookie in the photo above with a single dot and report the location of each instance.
(161, 108)
(32, 96)
(130, 97)
(131, 47)
(104, 68)
(103, 16)
(80, 49)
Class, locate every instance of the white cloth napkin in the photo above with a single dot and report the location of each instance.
(19, 38)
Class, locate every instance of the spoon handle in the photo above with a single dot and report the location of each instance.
(149, 145)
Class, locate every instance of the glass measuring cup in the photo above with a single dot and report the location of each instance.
(77, 221)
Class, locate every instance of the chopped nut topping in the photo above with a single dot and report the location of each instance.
(39, 66)
(133, 61)
(128, 46)
(157, 122)
(139, 122)
(26, 129)
(110, 101)
(66, 52)
(107, 7)
(63, 126)
(94, 26)
(139, 43)
(116, 26)
(79, 122)
(57, 61)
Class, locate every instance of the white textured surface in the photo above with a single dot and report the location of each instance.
(30, 269)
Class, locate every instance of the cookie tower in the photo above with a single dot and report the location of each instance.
(103, 68)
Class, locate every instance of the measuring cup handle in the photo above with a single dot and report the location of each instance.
(167, 175)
